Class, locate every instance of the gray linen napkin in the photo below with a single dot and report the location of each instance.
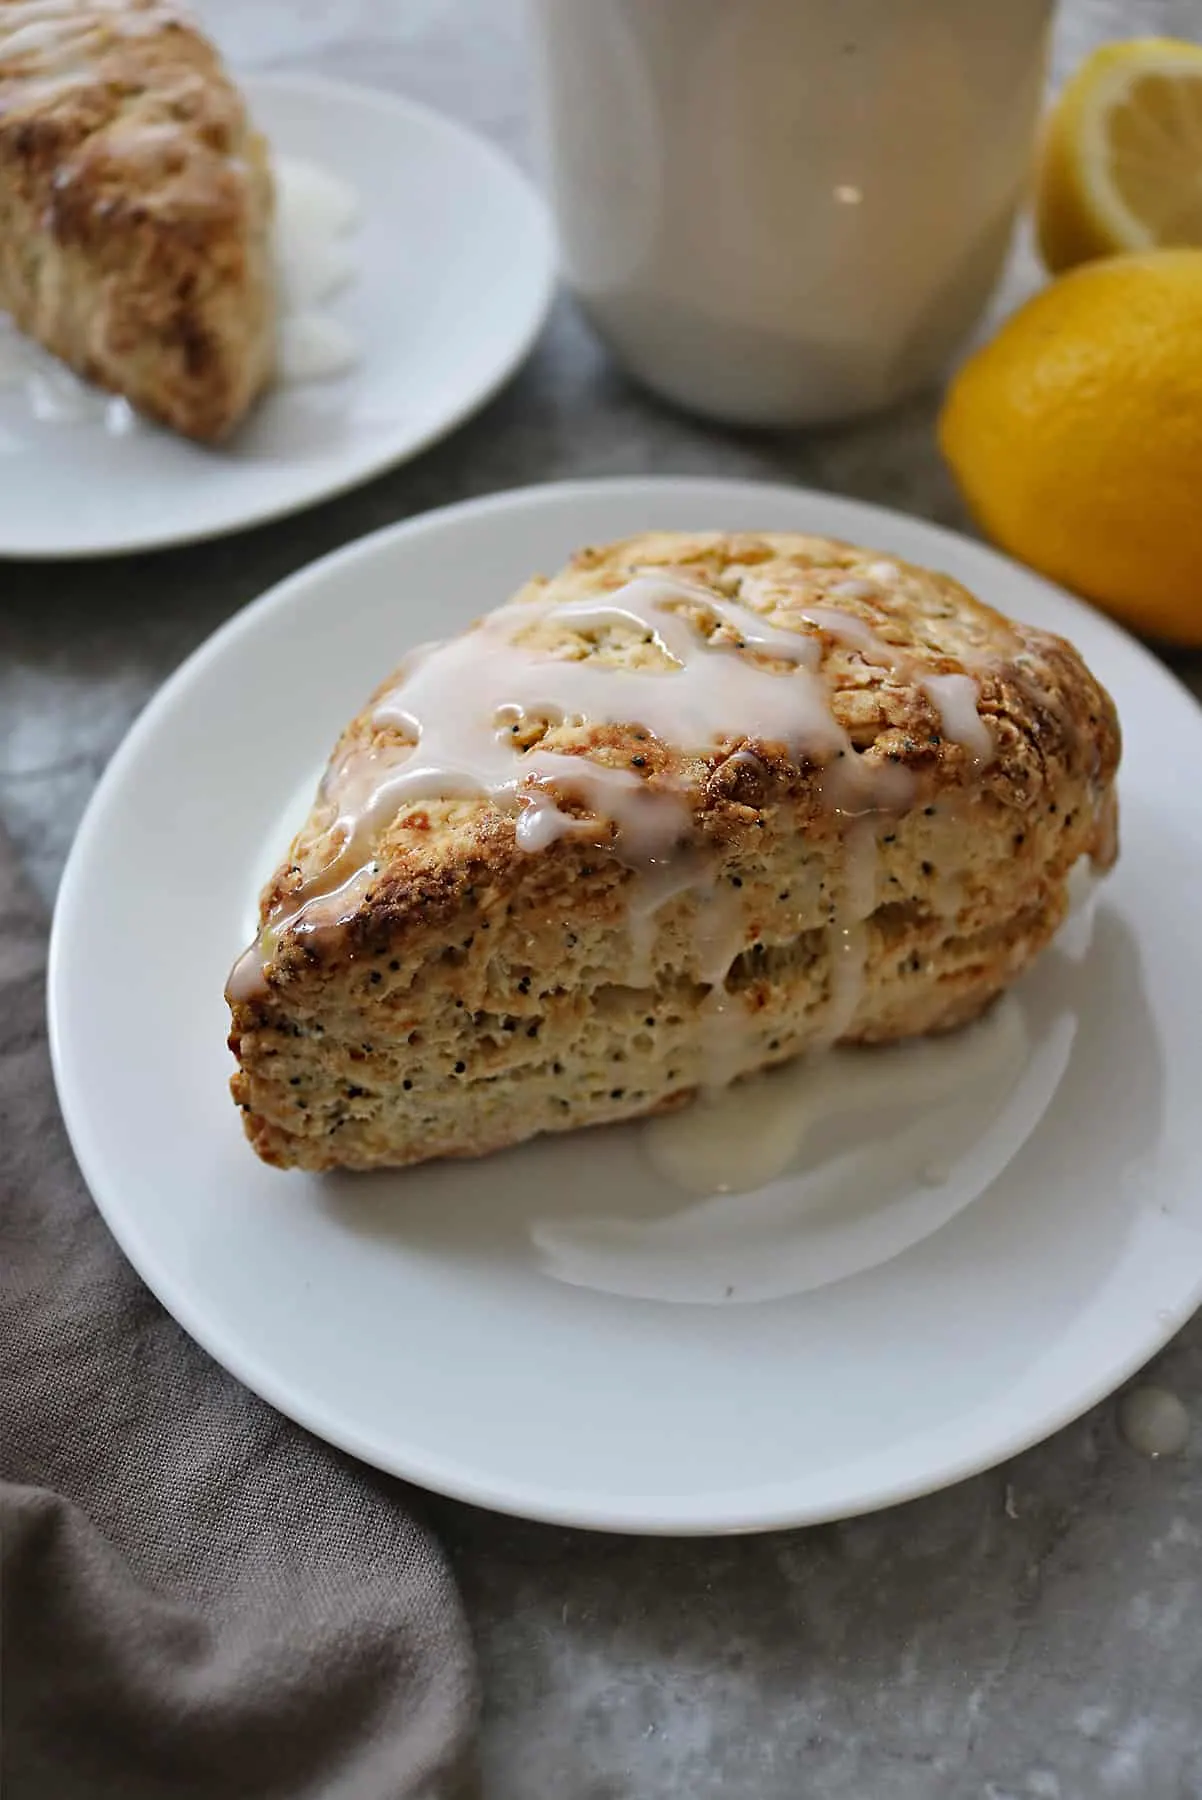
(200, 1601)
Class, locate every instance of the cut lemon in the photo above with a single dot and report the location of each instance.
(1121, 167)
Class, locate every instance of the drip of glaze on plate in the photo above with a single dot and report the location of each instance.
(857, 1131)
(1154, 1421)
(315, 215)
(53, 393)
(722, 673)
(744, 1137)
(736, 1140)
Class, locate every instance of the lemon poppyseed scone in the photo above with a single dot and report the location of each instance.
(693, 806)
(135, 208)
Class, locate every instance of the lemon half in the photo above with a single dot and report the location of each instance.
(1121, 166)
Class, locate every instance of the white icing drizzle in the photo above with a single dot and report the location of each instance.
(720, 933)
(58, 41)
(661, 881)
(954, 697)
(848, 934)
(39, 28)
(461, 704)
(36, 36)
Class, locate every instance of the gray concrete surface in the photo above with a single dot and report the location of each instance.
(1035, 1634)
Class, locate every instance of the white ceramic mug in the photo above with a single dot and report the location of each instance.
(781, 212)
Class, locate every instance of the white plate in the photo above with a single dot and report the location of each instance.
(455, 272)
(426, 1321)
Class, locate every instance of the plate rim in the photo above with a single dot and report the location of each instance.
(383, 100)
(762, 1508)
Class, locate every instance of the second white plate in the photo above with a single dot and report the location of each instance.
(455, 271)
(553, 1331)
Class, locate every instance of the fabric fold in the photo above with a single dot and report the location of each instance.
(200, 1600)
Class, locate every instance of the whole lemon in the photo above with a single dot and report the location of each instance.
(1076, 437)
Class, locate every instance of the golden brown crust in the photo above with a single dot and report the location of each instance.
(969, 884)
(1052, 722)
(135, 208)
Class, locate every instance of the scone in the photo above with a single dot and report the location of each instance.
(135, 208)
(694, 806)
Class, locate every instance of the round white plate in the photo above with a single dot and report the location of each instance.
(431, 1321)
(455, 272)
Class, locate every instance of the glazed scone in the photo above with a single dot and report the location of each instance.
(692, 807)
(135, 208)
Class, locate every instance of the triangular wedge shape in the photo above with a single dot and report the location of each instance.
(694, 806)
(135, 208)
